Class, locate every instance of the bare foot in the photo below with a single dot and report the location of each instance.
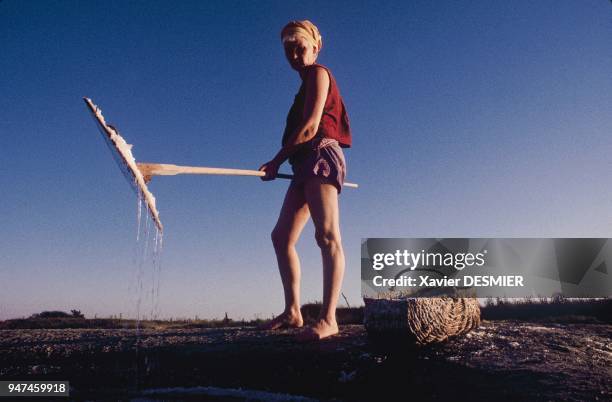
(284, 320)
(320, 330)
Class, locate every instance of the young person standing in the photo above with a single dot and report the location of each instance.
(317, 129)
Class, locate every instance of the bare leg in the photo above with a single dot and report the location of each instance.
(293, 216)
(322, 199)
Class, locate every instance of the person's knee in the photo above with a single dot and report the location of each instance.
(328, 239)
(280, 239)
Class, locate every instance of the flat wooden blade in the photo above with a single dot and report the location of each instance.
(122, 152)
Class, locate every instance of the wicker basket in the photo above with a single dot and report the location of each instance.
(423, 320)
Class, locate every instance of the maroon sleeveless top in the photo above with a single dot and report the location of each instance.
(334, 120)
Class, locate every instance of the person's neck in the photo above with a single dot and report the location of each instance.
(302, 72)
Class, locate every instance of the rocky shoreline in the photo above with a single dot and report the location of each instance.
(501, 360)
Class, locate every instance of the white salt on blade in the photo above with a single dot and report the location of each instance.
(125, 151)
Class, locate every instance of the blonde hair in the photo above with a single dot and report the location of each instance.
(305, 29)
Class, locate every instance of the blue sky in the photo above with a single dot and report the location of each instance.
(469, 119)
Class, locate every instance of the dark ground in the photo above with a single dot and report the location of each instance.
(500, 360)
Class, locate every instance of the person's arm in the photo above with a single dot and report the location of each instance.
(317, 87)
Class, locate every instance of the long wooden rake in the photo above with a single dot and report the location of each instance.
(139, 174)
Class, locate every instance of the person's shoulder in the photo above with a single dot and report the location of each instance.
(318, 67)
(317, 72)
(314, 65)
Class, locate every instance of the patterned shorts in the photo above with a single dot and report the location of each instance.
(323, 158)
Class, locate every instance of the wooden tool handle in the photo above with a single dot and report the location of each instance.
(163, 169)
